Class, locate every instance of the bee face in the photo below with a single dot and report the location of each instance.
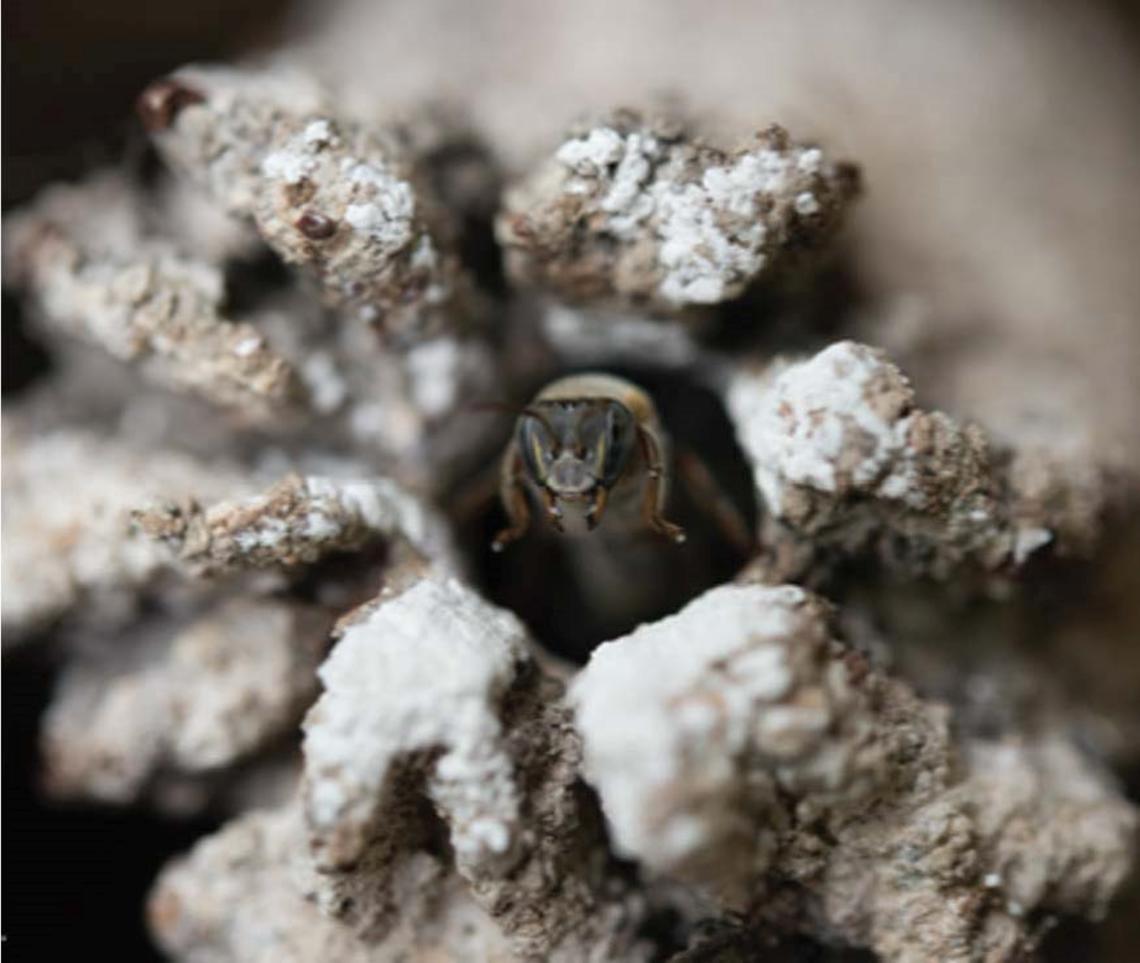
(582, 436)
(573, 447)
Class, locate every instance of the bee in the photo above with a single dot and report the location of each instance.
(588, 447)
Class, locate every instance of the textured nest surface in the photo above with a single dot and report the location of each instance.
(247, 508)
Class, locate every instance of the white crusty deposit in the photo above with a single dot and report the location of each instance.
(342, 200)
(836, 422)
(842, 457)
(699, 708)
(637, 211)
(422, 673)
(436, 717)
(298, 521)
(754, 751)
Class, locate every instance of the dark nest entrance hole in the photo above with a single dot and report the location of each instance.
(573, 593)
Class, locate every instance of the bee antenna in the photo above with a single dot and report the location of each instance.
(499, 406)
(540, 418)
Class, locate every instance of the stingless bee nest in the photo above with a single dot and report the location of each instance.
(249, 511)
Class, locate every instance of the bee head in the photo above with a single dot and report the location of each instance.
(573, 447)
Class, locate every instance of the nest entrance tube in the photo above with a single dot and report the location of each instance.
(576, 592)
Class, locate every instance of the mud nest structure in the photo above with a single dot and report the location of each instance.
(248, 507)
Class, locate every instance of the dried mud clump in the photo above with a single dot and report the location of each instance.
(373, 348)
(92, 270)
(846, 463)
(235, 897)
(218, 692)
(414, 827)
(298, 521)
(639, 213)
(767, 766)
(344, 201)
(69, 547)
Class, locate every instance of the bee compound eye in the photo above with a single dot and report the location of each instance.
(537, 446)
(620, 431)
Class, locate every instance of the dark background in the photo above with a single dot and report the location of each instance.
(77, 876)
